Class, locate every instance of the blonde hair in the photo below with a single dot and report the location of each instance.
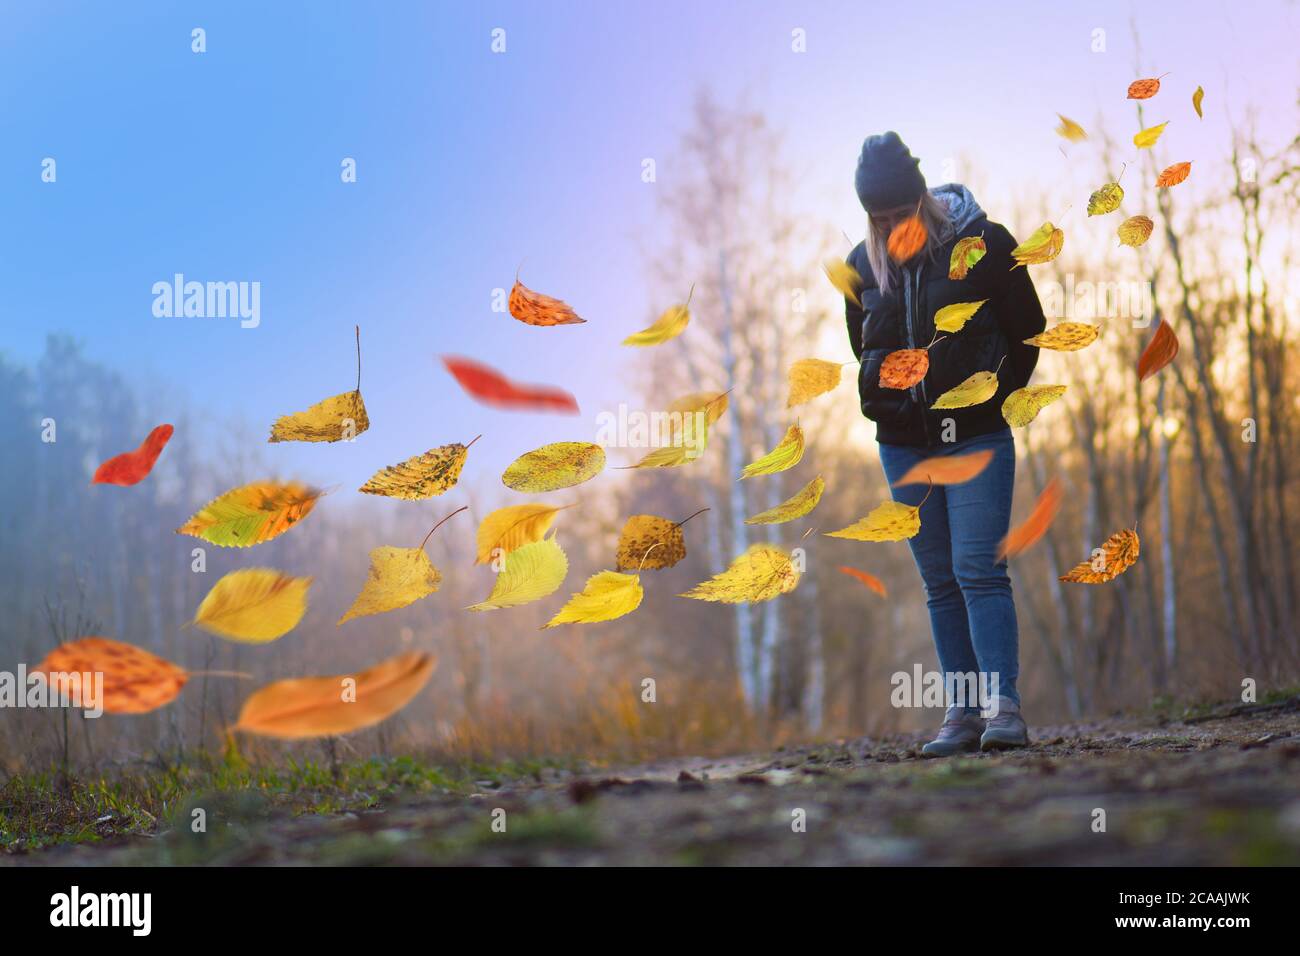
(938, 230)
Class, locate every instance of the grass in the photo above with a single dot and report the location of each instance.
(45, 809)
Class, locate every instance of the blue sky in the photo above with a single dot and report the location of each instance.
(225, 166)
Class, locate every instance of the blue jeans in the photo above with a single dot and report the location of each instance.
(968, 592)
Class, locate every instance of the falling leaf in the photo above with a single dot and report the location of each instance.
(784, 455)
(1160, 351)
(906, 239)
(1106, 199)
(951, 318)
(605, 596)
(1135, 230)
(338, 418)
(531, 572)
(1026, 534)
(796, 506)
(135, 681)
(904, 368)
(947, 469)
(810, 378)
(492, 388)
(1197, 97)
(329, 706)
(1043, 246)
(966, 254)
(252, 514)
(980, 387)
(533, 308)
(763, 572)
(1144, 89)
(254, 605)
(510, 528)
(891, 521)
(668, 326)
(132, 467)
(1023, 405)
(1173, 175)
(650, 542)
(1070, 130)
(561, 464)
(845, 278)
(870, 580)
(397, 577)
(424, 476)
(1147, 138)
(1118, 554)
(1066, 336)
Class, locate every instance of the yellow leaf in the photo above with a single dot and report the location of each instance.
(1197, 97)
(1106, 199)
(1070, 130)
(713, 404)
(328, 706)
(1135, 230)
(1117, 556)
(951, 318)
(605, 596)
(671, 324)
(966, 254)
(1066, 336)
(1023, 405)
(254, 513)
(424, 476)
(335, 419)
(763, 572)
(980, 387)
(508, 529)
(562, 464)
(798, 505)
(398, 577)
(254, 605)
(845, 278)
(1147, 138)
(1043, 246)
(809, 378)
(783, 456)
(891, 521)
(531, 572)
(650, 542)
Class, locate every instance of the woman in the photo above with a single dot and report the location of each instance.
(972, 612)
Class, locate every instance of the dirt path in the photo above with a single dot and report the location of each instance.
(1223, 790)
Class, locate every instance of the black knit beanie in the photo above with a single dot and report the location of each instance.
(888, 174)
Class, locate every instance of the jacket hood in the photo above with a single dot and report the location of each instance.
(962, 207)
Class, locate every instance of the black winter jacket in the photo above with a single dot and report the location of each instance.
(905, 319)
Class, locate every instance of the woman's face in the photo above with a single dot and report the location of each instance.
(888, 219)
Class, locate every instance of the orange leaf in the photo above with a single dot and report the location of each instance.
(904, 368)
(326, 706)
(1145, 89)
(947, 469)
(1174, 175)
(870, 580)
(1026, 534)
(906, 239)
(533, 308)
(135, 681)
(132, 467)
(1160, 351)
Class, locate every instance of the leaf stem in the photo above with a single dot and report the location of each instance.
(358, 328)
(689, 517)
(440, 524)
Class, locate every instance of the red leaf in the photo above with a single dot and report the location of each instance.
(870, 580)
(493, 388)
(133, 467)
(1160, 351)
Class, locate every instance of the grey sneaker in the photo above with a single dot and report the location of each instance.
(1007, 730)
(960, 734)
